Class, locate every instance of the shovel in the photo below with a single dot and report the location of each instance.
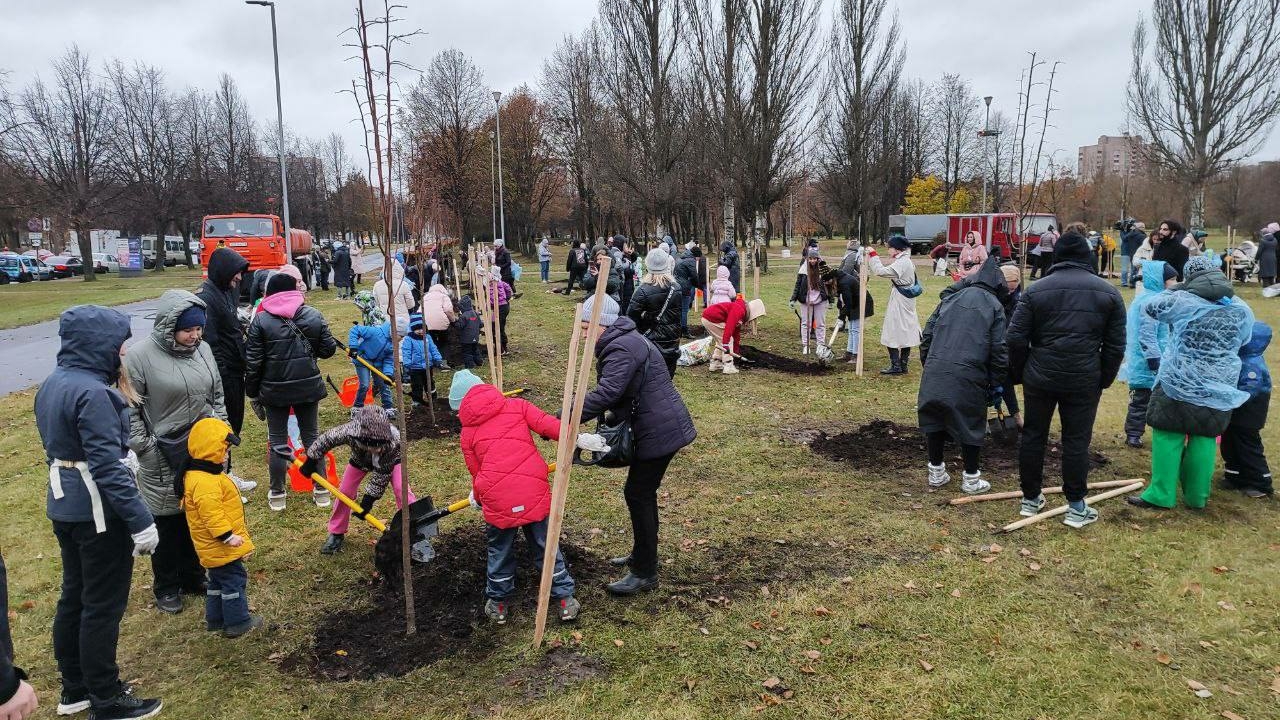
(824, 353)
(1001, 423)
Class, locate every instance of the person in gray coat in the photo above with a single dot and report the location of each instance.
(176, 376)
(965, 364)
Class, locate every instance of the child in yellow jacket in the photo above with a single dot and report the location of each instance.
(215, 515)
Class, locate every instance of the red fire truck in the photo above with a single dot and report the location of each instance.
(258, 238)
(998, 231)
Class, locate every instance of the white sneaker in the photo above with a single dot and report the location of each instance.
(244, 486)
(804, 349)
(1031, 507)
(938, 475)
(730, 369)
(321, 497)
(974, 484)
(275, 501)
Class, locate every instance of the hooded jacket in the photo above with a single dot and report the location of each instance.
(1131, 241)
(731, 314)
(282, 369)
(373, 343)
(1266, 256)
(544, 250)
(1255, 377)
(690, 271)
(722, 288)
(631, 371)
(1135, 371)
(502, 258)
(848, 286)
(508, 474)
(223, 332)
(417, 352)
(211, 501)
(656, 313)
(972, 257)
(403, 295)
(379, 459)
(341, 267)
(612, 286)
(729, 259)
(800, 292)
(82, 418)
(1068, 331)
(468, 322)
(437, 308)
(964, 356)
(178, 386)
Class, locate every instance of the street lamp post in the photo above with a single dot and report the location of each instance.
(493, 192)
(497, 116)
(986, 152)
(284, 174)
(986, 133)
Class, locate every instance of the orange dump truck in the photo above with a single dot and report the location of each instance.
(258, 238)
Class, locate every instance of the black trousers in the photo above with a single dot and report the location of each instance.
(324, 276)
(1077, 410)
(233, 396)
(1010, 397)
(174, 564)
(503, 312)
(96, 571)
(280, 457)
(1243, 456)
(971, 454)
(420, 385)
(644, 477)
(440, 338)
(1135, 420)
(471, 356)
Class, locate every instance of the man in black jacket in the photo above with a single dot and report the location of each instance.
(1066, 342)
(1167, 246)
(17, 699)
(225, 336)
(1129, 244)
(690, 272)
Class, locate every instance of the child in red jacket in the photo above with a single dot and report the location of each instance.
(509, 483)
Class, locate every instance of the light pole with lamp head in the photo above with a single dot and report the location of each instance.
(284, 174)
(497, 116)
(493, 191)
(986, 133)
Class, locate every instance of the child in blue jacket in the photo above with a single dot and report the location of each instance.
(371, 339)
(418, 354)
(1243, 456)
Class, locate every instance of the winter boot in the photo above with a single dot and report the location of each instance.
(938, 475)
(333, 544)
(974, 484)
(1134, 441)
(729, 367)
(906, 360)
(276, 500)
(321, 497)
(496, 611)
(234, 631)
(849, 357)
(244, 486)
(717, 360)
(170, 604)
(569, 609)
(632, 584)
(71, 703)
(1079, 518)
(895, 363)
(804, 349)
(1031, 507)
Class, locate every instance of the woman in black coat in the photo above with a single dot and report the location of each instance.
(1266, 259)
(655, 306)
(342, 271)
(965, 364)
(632, 381)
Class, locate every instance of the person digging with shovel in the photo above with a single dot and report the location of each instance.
(375, 454)
(509, 485)
(723, 322)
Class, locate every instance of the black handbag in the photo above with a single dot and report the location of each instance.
(619, 436)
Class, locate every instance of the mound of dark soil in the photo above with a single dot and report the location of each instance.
(765, 360)
(369, 642)
(418, 424)
(885, 445)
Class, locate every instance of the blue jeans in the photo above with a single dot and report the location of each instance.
(501, 570)
(380, 388)
(855, 331)
(225, 603)
(686, 302)
(1126, 269)
(545, 267)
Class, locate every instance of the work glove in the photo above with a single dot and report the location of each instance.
(309, 467)
(471, 498)
(996, 394)
(146, 541)
(792, 304)
(871, 252)
(366, 505)
(130, 460)
(592, 443)
(1153, 364)
(257, 408)
(353, 353)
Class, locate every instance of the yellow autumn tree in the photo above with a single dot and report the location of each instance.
(925, 197)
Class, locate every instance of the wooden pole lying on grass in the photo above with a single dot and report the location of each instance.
(862, 310)
(575, 393)
(1013, 494)
(1132, 486)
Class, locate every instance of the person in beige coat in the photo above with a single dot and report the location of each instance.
(901, 328)
(401, 289)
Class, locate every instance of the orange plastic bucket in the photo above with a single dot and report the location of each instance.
(348, 393)
(300, 484)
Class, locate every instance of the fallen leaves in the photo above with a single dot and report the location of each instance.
(955, 593)
(751, 645)
(1224, 605)
(813, 654)
(925, 664)
(1231, 691)
(1034, 567)
(1024, 552)
(618, 643)
(1221, 570)
(1192, 589)
(1199, 689)
(1163, 658)
(1231, 716)
(340, 653)
(821, 611)
(825, 641)
(1275, 686)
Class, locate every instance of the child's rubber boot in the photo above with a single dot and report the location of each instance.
(333, 544)
(234, 631)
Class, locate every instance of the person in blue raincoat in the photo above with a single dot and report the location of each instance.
(1135, 371)
(1196, 375)
(1244, 459)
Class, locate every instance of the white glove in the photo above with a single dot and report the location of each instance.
(146, 541)
(592, 442)
(471, 498)
(131, 461)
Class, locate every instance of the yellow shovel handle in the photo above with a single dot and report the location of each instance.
(375, 371)
(355, 507)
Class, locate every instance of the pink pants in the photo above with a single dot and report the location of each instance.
(351, 478)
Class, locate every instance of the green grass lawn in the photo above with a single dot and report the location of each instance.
(851, 586)
(26, 303)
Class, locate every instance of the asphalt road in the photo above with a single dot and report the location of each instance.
(29, 353)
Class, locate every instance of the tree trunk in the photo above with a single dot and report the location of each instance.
(86, 250)
(161, 226)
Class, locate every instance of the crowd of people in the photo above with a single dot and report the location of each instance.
(139, 443)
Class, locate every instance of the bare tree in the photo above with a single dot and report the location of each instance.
(569, 87)
(234, 143)
(1206, 89)
(64, 138)
(336, 167)
(956, 119)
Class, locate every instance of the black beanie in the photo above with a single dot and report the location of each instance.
(1072, 246)
(280, 283)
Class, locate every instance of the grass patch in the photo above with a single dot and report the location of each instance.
(842, 582)
(26, 303)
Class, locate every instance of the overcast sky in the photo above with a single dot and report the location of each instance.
(195, 41)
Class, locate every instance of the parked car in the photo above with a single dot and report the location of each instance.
(43, 271)
(105, 263)
(65, 265)
(23, 268)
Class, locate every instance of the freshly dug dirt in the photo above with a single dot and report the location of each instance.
(885, 446)
(418, 424)
(765, 360)
(369, 642)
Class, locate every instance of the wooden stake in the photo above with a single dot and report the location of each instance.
(1012, 494)
(457, 283)
(756, 283)
(496, 294)
(1132, 486)
(569, 422)
(862, 310)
